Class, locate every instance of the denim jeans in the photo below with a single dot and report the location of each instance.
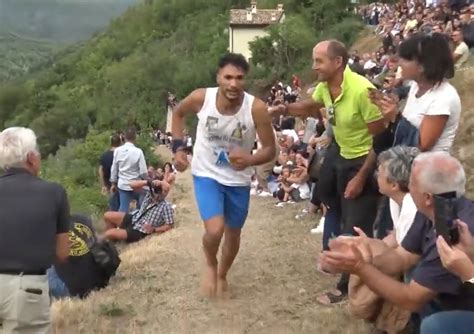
(114, 202)
(126, 197)
(57, 288)
(452, 322)
(332, 226)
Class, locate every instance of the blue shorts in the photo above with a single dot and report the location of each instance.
(215, 199)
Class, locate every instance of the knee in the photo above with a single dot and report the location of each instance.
(432, 324)
(214, 234)
(108, 216)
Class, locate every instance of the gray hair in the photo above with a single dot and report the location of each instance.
(439, 172)
(397, 162)
(15, 144)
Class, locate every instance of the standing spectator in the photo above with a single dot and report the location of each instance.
(461, 52)
(128, 165)
(433, 106)
(105, 167)
(355, 120)
(33, 234)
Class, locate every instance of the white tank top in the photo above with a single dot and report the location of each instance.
(216, 135)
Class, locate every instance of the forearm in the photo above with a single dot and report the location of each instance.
(388, 288)
(138, 184)
(389, 262)
(369, 165)
(177, 123)
(101, 177)
(305, 109)
(163, 229)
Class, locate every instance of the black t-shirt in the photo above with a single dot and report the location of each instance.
(106, 161)
(429, 272)
(32, 213)
(80, 273)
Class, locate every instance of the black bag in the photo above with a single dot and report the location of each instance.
(106, 256)
(314, 165)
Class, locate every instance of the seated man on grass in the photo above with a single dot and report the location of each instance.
(154, 216)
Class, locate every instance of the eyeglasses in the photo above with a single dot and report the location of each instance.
(331, 111)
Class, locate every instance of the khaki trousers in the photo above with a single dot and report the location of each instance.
(24, 304)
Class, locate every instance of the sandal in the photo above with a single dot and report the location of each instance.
(329, 298)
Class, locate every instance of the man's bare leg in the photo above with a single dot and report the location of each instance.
(211, 241)
(229, 252)
(113, 219)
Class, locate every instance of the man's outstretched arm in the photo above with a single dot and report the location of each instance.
(306, 108)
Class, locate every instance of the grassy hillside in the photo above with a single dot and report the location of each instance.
(121, 76)
(32, 30)
(19, 55)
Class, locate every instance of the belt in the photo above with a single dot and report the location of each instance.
(39, 272)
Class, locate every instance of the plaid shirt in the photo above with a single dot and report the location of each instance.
(153, 213)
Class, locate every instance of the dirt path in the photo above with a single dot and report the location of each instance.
(274, 282)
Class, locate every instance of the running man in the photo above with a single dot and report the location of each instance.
(222, 164)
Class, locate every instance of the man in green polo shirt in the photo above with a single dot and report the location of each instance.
(355, 120)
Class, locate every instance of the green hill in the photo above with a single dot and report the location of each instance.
(121, 76)
(32, 30)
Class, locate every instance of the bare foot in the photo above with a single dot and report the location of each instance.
(223, 288)
(209, 282)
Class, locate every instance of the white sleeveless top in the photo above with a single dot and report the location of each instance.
(216, 135)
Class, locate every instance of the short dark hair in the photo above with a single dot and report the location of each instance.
(432, 52)
(130, 134)
(338, 49)
(115, 140)
(235, 59)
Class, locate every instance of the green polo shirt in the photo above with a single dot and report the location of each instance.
(352, 111)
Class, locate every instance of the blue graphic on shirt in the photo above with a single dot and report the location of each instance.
(223, 158)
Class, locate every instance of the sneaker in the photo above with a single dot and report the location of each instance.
(264, 194)
(280, 204)
(253, 191)
(320, 228)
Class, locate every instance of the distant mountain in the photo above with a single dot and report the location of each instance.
(30, 30)
(62, 21)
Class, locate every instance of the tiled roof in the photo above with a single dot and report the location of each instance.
(261, 17)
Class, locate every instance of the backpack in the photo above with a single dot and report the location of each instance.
(106, 256)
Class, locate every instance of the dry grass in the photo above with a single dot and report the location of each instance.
(463, 145)
(274, 282)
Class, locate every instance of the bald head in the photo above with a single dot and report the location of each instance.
(438, 173)
(333, 48)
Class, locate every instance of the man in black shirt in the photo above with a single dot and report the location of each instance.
(105, 166)
(34, 221)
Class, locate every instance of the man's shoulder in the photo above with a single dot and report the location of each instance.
(358, 83)
(466, 212)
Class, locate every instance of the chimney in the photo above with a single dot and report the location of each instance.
(249, 14)
(280, 7)
(253, 5)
